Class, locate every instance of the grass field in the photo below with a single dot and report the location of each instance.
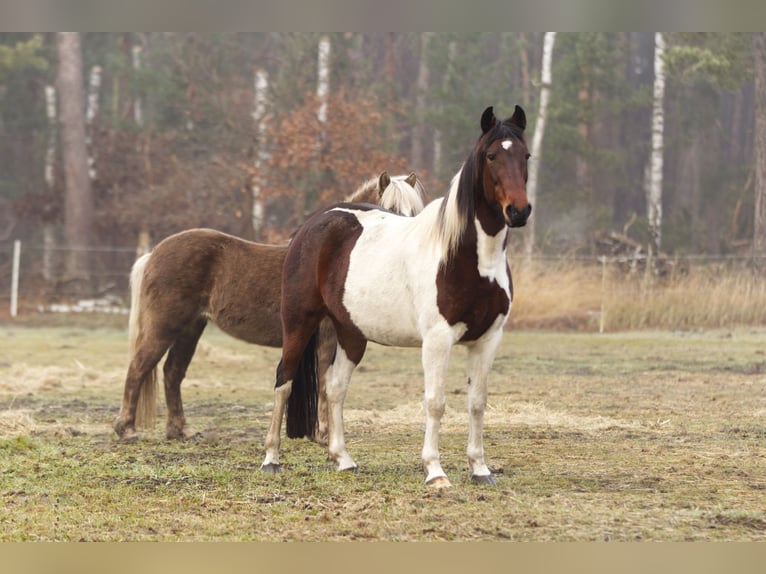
(621, 436)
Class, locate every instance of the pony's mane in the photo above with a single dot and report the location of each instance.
(458, 206)
(398, 195)
(365, 193)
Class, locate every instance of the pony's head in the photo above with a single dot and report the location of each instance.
(402, 194)
(500, 162)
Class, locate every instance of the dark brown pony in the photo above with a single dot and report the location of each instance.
(203, 275)
(433, 281)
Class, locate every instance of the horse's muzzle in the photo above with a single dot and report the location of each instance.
(515, 217)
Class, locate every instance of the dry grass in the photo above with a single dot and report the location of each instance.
(575, 294)
(622, 436)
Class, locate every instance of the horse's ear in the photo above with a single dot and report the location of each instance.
(488, 120)
(519, 118)
(411, 179)
(383, 181)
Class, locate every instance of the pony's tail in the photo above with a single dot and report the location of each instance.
(302, 413)
(146, 410)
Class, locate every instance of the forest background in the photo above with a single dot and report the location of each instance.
(249, 132)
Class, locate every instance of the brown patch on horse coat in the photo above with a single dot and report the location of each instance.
(319, 288)
(472, 299)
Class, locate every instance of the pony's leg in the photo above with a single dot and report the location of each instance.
(435, 356)
(145, 359)
(478, 364)
(174, 371)
(338, 379)
(326, 346)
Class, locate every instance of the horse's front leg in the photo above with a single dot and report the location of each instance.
(435, 356)
(338, 378)
(479, 361)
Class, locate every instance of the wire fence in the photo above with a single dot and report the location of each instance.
(33, 279)
(576, 291)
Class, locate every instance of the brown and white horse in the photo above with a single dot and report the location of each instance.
(435, 280)
(202, 275)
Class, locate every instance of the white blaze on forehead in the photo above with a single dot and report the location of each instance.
(506, 144)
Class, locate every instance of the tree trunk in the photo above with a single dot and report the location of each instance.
(323, 77)
(259, 114)
(78, 214)
(421, 91)
(537, 139)
(524, 61)
(138, 112)
(438, 165)
(759, 231)
(94, 88)
(49, 229)
(654, 171)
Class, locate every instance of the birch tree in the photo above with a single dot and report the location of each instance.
(438, 166)
(654, 169)
(49, 229)
(537, 140)
(421, 92)
(759, 227)
(323, 77)
(78, 211)
(91, 112)
(259, 117)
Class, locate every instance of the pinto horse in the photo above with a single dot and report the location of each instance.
(434, 280)
(202, 275)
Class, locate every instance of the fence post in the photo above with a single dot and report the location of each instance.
(602, 315)
(15, 278)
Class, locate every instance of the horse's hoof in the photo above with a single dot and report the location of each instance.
(439, 482)
(352, 469)
(125, 434)
(486, 479)
(271, 468)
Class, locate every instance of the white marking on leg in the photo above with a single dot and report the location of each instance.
(435, 356)
(272, 441)
(479, 361)
(338, 379)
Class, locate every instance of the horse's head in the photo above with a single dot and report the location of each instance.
(503, 154)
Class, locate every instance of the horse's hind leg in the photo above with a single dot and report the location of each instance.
(292, 349)
(144, 360)
(174, 371)
(327, 343)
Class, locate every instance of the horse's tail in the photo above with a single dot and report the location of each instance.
(302, 413)
(146, 410)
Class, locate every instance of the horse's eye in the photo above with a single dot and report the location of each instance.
(528, 155)
(491, 156)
